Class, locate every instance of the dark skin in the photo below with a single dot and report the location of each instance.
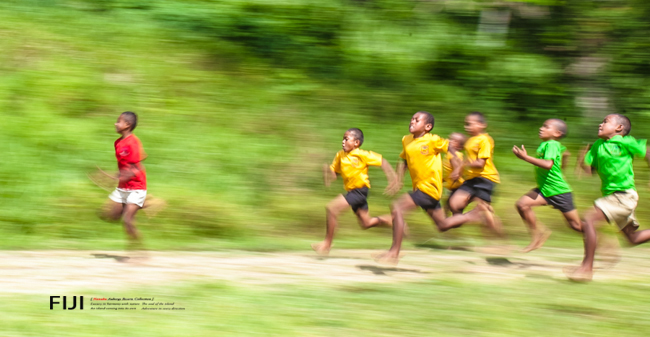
(595, 217)
(113, 211)
(405, 204)
(461, 199)
(339, 204)
(550, 130)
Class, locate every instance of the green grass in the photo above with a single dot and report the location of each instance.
(235, 140)
(533, 307)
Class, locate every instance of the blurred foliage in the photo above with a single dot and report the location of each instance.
(241, 101)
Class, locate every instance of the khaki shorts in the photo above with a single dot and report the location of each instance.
(619, 208)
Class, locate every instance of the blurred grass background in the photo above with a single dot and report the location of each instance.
(241, 102)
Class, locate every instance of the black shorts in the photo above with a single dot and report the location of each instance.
(562, 202)
(357, 198)
(423, 200)
(479, 187)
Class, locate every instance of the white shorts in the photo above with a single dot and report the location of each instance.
(619, 208)
(128, 196)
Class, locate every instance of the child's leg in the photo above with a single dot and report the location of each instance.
(398, 209)
(634, 237)
(538, 232)
(457, 220)
(333, 209)
(573, 219)
(366, 221)
(129, 225)
(459, 200)
(113, 208)
(111, 211)
(491, 220)
(593, 218)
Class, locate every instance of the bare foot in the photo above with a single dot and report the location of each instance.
(389, 258)
(578, 274)
(538, 238)
(321, 248)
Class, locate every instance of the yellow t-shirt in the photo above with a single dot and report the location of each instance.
(481, 147)
(422, 156)
(353, 167)
(446, 171)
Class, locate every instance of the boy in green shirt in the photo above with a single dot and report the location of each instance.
(551, 189)
(611, 157)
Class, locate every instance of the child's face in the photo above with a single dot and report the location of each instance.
(473, 126)
(549, 131)
(456, 142)
(419, 124)
(349, 142)
(609, 127)
(121, 125)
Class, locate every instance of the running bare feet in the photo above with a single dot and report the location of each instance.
(321, 248)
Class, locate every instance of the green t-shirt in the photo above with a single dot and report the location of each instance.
(612, 159)
(551, 182)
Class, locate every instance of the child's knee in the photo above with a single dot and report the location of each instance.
(576, 225)
(522, 206)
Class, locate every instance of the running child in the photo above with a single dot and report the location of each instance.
(611, 157)
(452, 166)
(352, 164)
(551, 188)
(421, 155)
(130, 194)
(479, 173)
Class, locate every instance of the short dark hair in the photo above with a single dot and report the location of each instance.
(481, 117)
(561, 126)
(623, 120)
(428, 118)
(357, 134)
(131, 118)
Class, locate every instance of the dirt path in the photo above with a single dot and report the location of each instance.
(58, 271)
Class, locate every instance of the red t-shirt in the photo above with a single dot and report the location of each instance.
(129, 154)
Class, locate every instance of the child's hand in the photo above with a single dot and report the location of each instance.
(393, 187)
(327, 175)
(520, 153)
(454, 176)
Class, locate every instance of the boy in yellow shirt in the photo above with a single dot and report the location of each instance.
(479, 173)
(421, 155)
(352, 164)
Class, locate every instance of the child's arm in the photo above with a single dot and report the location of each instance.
(581, 161)
(456, 167)
(328, 175)
(401, 170)
(394, 184)
(127, 174)
(565, 159)
(523, 155)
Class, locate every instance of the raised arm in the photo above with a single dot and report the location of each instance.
(523, 155)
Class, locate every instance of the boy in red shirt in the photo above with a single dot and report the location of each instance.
(131, 192)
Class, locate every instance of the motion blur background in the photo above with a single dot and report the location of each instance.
(242, 101)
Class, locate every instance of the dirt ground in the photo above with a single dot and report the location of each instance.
(59, 271)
